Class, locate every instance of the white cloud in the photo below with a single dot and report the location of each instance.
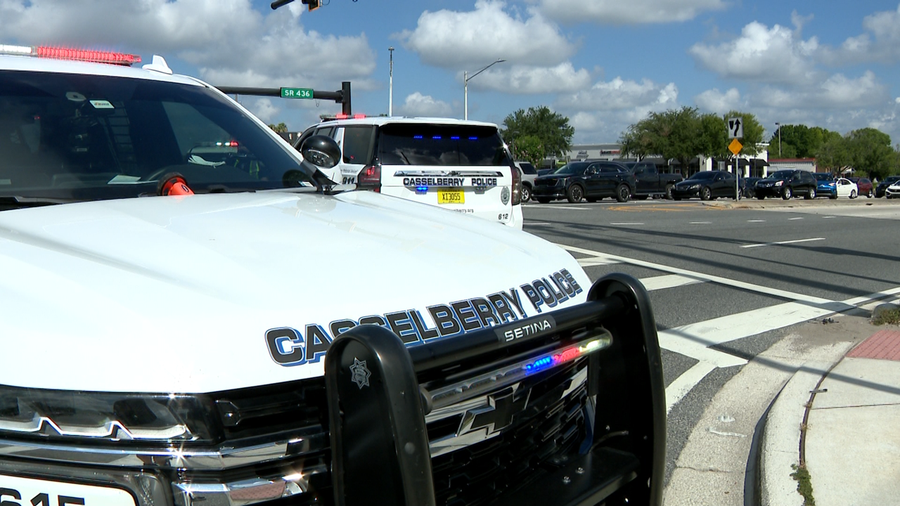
(523, 79)
(457, 40)
(835, 92)
(771, 55)
(619, 94)
(880, 43)
(630, 12)
(417, 104)
(720, 103)
(603, 112)
(225, 39)
(264, 109)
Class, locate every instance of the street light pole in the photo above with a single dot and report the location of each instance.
(391, 85)
(779, 138)
(466, 79)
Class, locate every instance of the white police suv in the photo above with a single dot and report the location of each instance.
(170, 334)
(457, 165)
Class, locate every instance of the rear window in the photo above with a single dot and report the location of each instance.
(441, 145)
(357, 144)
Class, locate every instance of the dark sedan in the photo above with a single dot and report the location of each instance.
(882, 186)
(593, 181)
(787, 184)
(706, 184)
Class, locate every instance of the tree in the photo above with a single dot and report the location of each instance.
(279, 128)
(869, 151)
(671, 134)
(530, 149)
(833, 154)
(550, 129)
(798, 141)
(713, 137)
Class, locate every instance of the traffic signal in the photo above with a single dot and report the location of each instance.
(312, 4)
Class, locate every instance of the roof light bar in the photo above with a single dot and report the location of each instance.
(63, 53)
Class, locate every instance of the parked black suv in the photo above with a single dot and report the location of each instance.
(786, 184)
(575, 181)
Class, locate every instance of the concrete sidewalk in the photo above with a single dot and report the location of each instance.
(841, 422)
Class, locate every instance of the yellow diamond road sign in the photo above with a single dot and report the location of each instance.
(735, 146)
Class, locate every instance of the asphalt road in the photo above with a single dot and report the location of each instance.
(727, 279)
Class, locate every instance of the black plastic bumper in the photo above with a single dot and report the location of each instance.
(380, 391)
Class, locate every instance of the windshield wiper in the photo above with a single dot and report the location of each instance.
(20, 201)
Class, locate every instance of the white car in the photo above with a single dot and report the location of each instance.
(893, 191)
(846, 188)
(192, 313)
(457, 165)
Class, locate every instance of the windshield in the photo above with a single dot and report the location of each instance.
(703, 175)
(781, 174)
(571, 168)
(78, 137)
(823, 177)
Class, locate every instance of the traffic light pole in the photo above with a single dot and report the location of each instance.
(342, 96)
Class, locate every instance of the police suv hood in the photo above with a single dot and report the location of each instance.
(177, 294)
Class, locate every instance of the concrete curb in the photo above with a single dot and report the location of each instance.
(780, 447)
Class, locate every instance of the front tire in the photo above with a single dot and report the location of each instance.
(811, 195)
(870, 194)
(669, 189)
(526, 193)
(574, 194)
(853, 194)
(705, 193)
(623, 193)
(787, 193)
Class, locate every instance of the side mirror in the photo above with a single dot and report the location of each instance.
(321, 151)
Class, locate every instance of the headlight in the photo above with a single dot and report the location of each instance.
(114, 416)
(779, 183)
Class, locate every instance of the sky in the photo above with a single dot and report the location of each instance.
(603, 64)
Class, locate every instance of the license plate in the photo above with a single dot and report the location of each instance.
(15, 490)
(451, 197)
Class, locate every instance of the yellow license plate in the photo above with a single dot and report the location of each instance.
(451, 197)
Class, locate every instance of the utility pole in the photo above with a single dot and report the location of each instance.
(779, 138)
(391, 85)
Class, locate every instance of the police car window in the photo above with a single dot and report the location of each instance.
(89, 137)
(441, 145)
(357, 144)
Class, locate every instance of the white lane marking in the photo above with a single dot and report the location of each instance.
(685, 383)
(623, 223)
(699, 275)
(756, 221)
(794, 219)
(874, 298)
(693, 340)
(795, 241)
(668, 281)
(548, 206)
(590, 262)
(827, 217)
(701, 223)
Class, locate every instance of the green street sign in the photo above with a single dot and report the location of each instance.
(296, 93)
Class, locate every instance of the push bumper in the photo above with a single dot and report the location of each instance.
(380, 439)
